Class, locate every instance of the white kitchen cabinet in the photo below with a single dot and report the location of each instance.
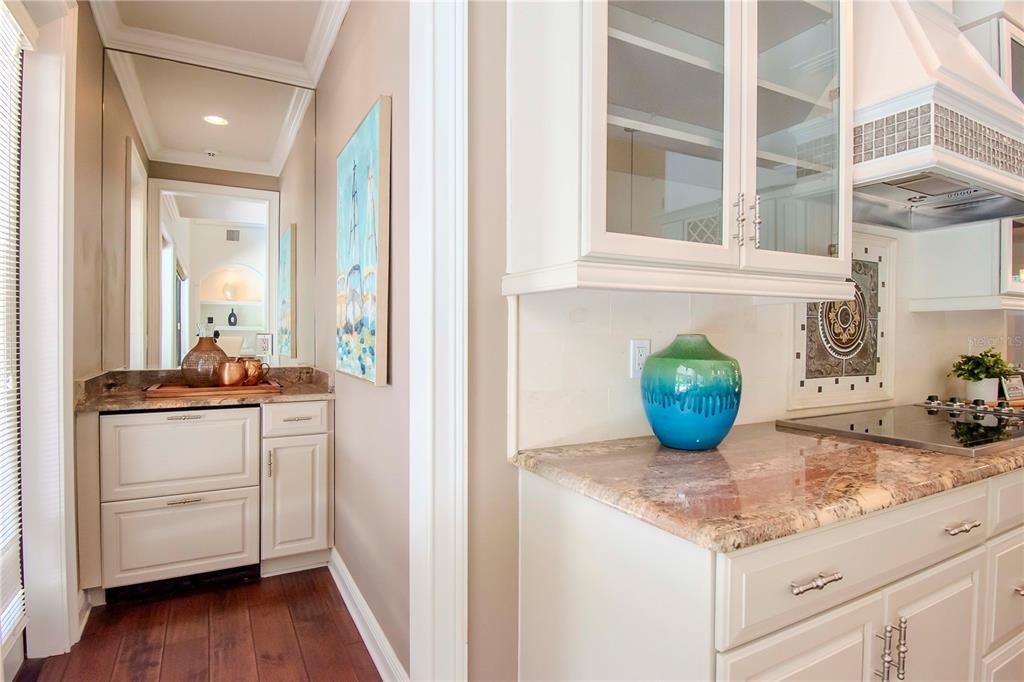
(989, 258)
(672, 146)
(1004, 600)
(940, 614)
(1005, 664)
(929, 579)
(294, 495)
(167, 537)
(837, 645)
(163, 453)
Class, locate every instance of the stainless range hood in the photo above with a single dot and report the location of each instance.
(938, 135)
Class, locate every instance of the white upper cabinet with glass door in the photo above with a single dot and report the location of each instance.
(683, 146)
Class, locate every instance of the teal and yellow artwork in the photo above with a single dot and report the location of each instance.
(286, 292)
(363, 185)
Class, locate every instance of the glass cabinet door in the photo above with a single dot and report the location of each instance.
(666, 94)
(792, 122)
(1013, 256)
(1015, 58)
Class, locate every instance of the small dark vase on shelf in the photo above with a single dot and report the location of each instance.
(232, 318)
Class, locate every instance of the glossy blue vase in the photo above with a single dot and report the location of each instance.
(691, 393)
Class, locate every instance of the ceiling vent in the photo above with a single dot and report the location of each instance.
(233, 235)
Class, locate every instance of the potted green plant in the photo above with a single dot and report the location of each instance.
(981, 373)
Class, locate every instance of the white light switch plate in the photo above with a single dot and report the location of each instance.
(639, 349)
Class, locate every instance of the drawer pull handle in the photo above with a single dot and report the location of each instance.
(1019, 591)
(818, 583)
(297, 419)
(184, 417)
(963, 528)
(187, 500)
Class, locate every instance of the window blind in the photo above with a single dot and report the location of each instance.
(12, 593)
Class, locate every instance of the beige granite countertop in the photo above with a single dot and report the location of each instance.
(760, 484)
(123, 391)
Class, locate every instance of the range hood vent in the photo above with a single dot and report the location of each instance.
(938, 135)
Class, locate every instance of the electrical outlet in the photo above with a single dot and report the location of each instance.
(264, 344)
(639, 349)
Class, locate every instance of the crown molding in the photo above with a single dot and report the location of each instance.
(124, 69)
(290, 129)
(117, 36)
(128, 78)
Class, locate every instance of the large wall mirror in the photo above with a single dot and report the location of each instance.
(208, 214)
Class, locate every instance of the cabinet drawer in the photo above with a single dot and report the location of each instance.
(166, 537)
(1004, 606)
(294, 419)
(1006, 501)
(755, 593)
(167, 453)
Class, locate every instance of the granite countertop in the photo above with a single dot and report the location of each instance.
(760, 484)
(124, 390)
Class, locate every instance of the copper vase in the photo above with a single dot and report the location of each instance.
(199, 367)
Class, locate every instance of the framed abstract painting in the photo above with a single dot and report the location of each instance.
(363, 183)
(286, 291)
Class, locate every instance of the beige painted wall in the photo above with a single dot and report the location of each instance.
(88, 204)
(370, 59)
(493, 485)
(117, 128)
(212, 176)
(298, 206)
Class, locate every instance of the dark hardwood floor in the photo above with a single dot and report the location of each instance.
(289, 627)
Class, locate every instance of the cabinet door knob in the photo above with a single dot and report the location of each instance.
(966, 527)
(818, 583)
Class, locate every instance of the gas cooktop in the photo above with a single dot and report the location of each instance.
(950, 426)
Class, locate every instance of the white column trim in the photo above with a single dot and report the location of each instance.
(438, 272)
(47, 299)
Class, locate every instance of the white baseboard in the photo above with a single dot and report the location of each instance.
(384, 657)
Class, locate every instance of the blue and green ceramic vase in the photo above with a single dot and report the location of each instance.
(691, 393)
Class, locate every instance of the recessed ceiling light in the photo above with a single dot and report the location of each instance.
(214, 119)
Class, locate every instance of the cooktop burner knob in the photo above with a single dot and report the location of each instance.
(1003, 404)
(978, 402)
(932, 399)
(954, 400)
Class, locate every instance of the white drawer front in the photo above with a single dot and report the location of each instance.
(167, 453)
(755, 594)
(294, 419)
(1006, 501)
(166, 537)
(1004, 612)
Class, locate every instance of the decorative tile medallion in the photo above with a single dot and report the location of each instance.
(840, 352)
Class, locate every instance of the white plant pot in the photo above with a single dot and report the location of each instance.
(986, 389)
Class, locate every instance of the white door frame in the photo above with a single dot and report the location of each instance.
(438, 297)
(56, 607)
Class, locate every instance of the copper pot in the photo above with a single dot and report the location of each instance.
(231, 373)
(255, 371)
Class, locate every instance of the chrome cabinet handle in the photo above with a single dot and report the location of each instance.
(184, 417)
(187, 500)
(1019, 591)
(818, 583)
(297, 419)
(270, 464)
(741, 219)
(963, 528)
(887, 660)
(901, 651)
(756, 206)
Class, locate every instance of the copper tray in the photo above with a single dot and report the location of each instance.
(180, 391)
